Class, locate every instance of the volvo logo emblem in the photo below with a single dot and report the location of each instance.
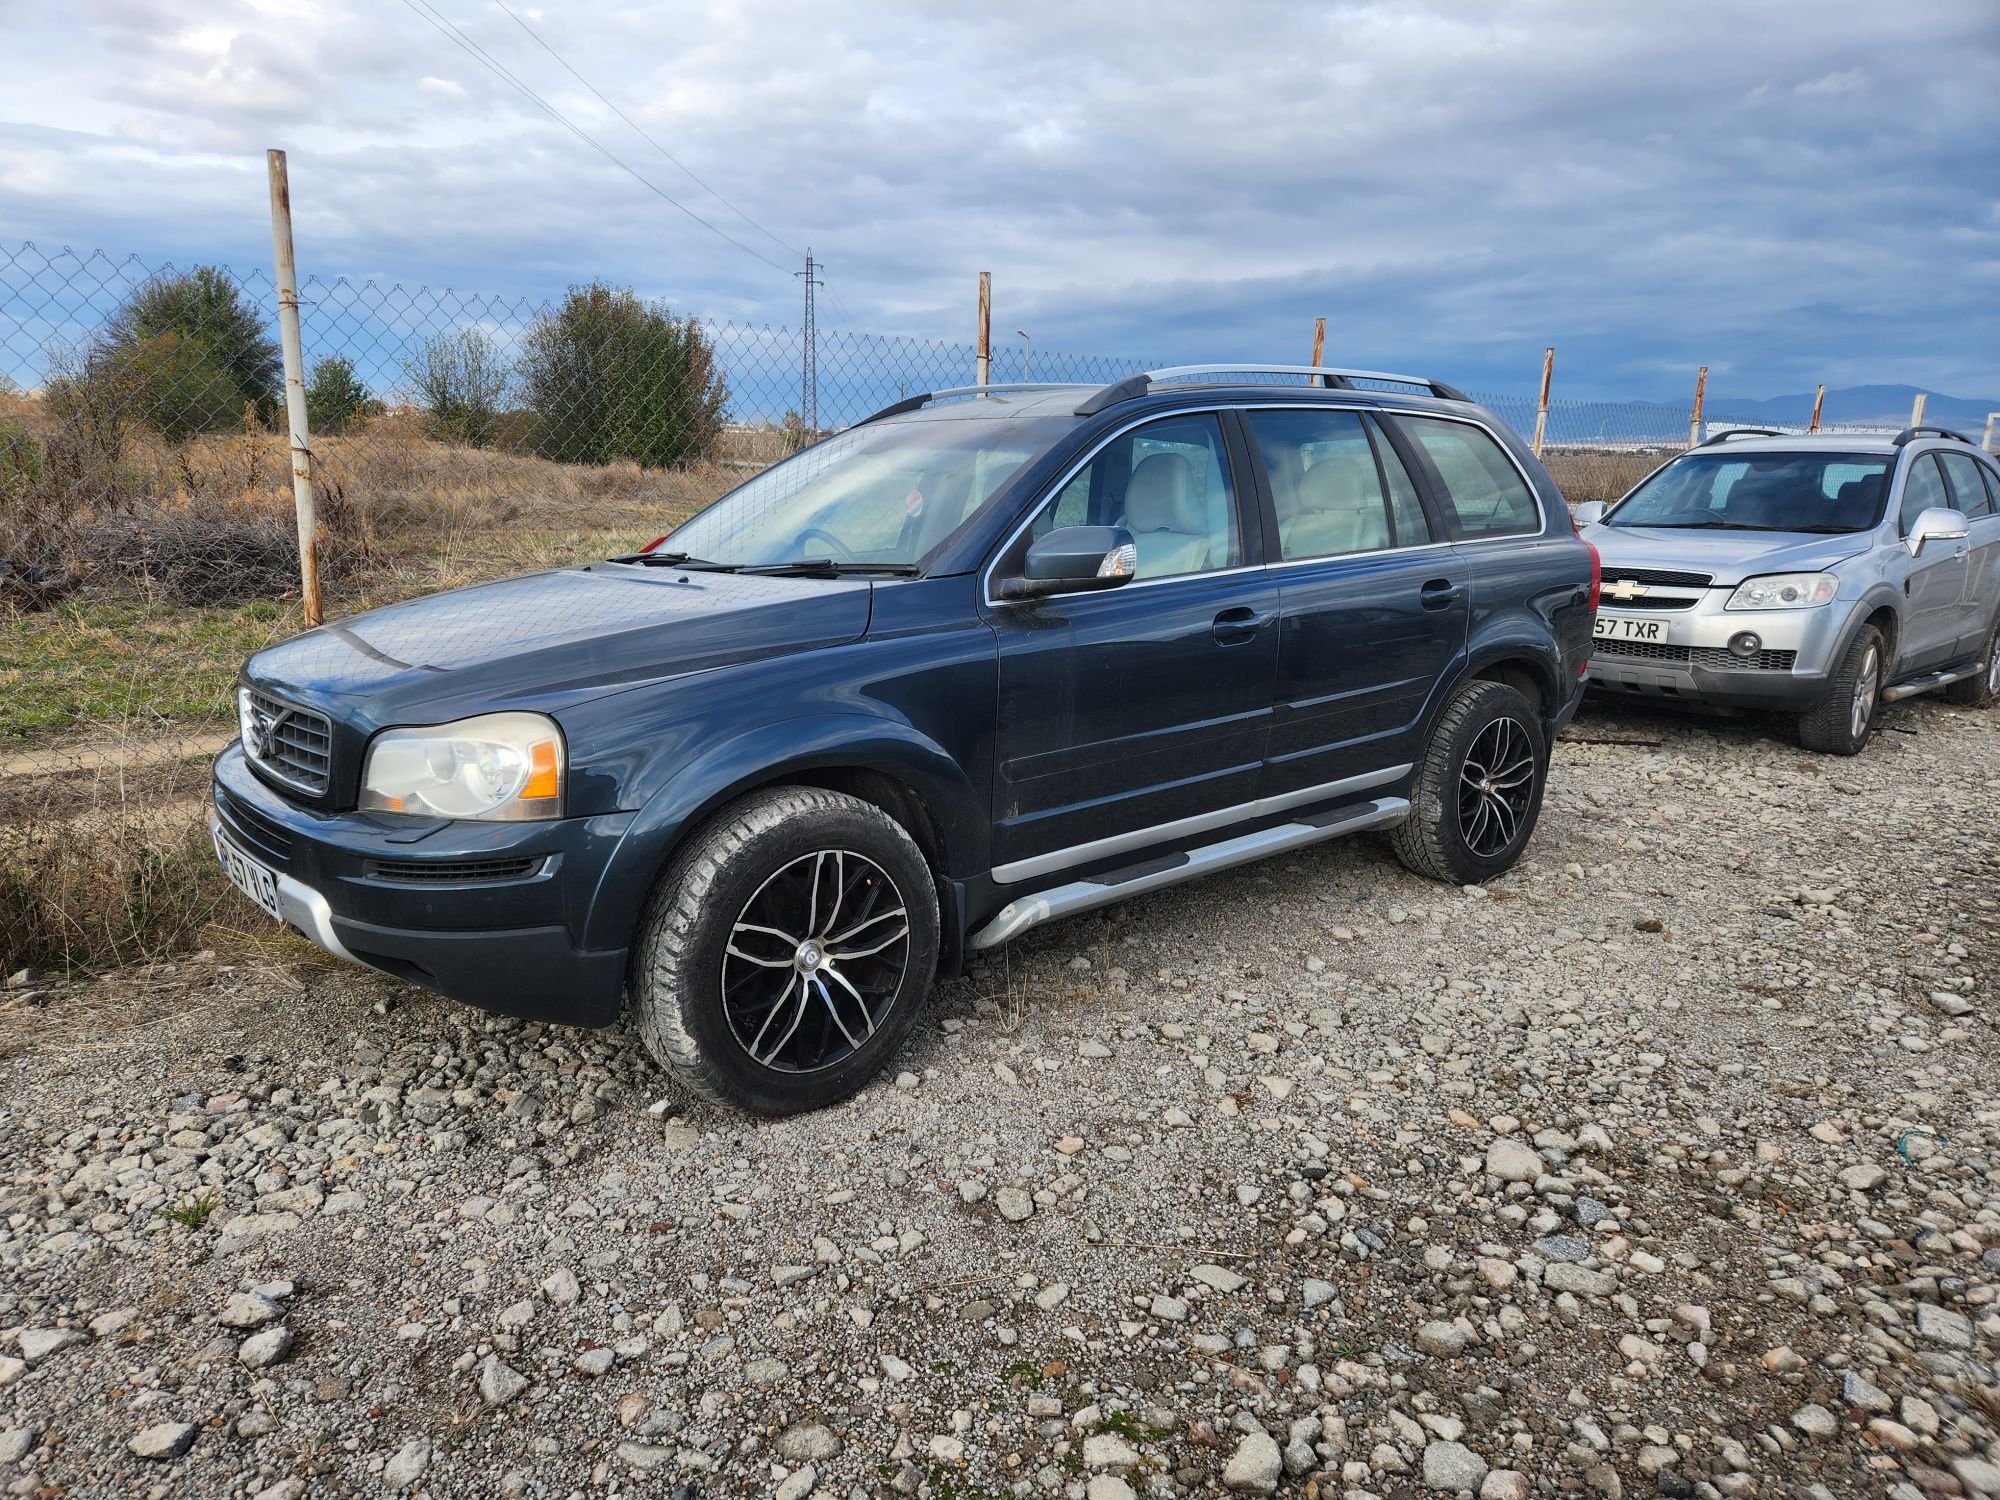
(264, 734)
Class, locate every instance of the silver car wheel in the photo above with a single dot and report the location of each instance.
(815, 961)
(1865, 685)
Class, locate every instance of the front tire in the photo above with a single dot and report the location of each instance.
(1478, 792)
(1842, 721)
(787, 951)
(1984, 690)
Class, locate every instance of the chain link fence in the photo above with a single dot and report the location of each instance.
(147, 541)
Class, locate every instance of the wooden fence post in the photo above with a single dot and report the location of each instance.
(985, 326)
(1542, 406)
(295, 384)
(1319, 342)
(1700, 395)
(1819, 405)
(1917, 408)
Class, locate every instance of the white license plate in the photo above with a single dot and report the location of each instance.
(1622, 628)
(249, 877)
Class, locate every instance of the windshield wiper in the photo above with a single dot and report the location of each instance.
(827, 567)
(1701, 526)
(675, 560)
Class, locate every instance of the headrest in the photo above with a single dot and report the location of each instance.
(1339, 481)
(1161, 496)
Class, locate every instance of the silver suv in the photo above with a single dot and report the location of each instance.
(1820, 576)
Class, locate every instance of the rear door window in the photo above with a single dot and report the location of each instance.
(1335, 486)
(1482, 486)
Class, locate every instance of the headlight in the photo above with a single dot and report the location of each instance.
(1784, 591)
(498, 767)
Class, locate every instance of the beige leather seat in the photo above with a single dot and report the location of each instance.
(1165, 517)
(1338, 508)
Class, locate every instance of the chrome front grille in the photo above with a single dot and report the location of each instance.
(1698, 656)
(293, 745)
(1664, 578)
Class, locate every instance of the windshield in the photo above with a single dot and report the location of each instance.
(1724, 491)
(885, 495)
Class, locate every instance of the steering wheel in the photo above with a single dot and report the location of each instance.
(840, 547)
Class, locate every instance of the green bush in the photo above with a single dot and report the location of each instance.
(610, 377)
(336, 398)
(188, 354)
(460, 378)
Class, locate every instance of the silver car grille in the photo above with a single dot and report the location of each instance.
(294, 745)
(1663, 578)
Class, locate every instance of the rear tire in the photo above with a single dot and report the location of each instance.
(1842, 721)
(1984, 690)
(1478, 792)
(787, 951)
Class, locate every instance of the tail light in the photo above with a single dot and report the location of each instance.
(1596, 563)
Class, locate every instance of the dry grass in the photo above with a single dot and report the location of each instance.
(1600, 473)
(104, 855)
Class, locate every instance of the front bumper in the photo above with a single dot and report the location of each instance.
(1690, 658)
(481, 912)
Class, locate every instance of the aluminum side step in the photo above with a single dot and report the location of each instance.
(1019, 915)
(1928, 682)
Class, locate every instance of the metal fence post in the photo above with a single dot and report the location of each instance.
(1917, 408)
(1542, 406)
(295, 384)
(1700, 395)
(1819, 405)
(1319, 341)
(985, 326)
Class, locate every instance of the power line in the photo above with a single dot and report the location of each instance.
(456, 35)
(644, 134)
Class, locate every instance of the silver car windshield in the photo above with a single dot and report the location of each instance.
(1724, 491)
(885, 495)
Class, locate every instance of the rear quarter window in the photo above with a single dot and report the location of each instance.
(1482, 486)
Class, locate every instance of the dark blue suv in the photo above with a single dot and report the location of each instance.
(989, 658)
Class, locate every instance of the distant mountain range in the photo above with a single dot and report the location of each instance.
(1860, 405)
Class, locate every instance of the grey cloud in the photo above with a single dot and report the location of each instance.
(1787, 193)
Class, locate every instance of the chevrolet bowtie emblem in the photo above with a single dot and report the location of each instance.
(1624, 589)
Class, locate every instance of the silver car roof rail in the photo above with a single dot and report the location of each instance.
(1908, 433)
(1715, 439)
(913, 403)
(1331, 377)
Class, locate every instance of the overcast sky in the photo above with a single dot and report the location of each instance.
(1786, 192)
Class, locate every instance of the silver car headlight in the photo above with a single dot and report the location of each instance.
(497, 767)
(1785, 591)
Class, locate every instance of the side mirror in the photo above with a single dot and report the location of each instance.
(1074, 560)
(1590, 513)
(1938, 524)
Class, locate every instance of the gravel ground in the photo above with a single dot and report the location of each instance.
(1669, 1164)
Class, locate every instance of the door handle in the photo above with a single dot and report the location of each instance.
(1440, 592)
(1239, 624)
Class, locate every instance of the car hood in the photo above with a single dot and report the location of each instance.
(1728, 557)
(557, 636)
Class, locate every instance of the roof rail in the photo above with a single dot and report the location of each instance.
(912, 403)
(1945, 432)
(1737, 432)
(1330, 376)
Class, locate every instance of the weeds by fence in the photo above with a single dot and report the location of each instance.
(146, 532)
